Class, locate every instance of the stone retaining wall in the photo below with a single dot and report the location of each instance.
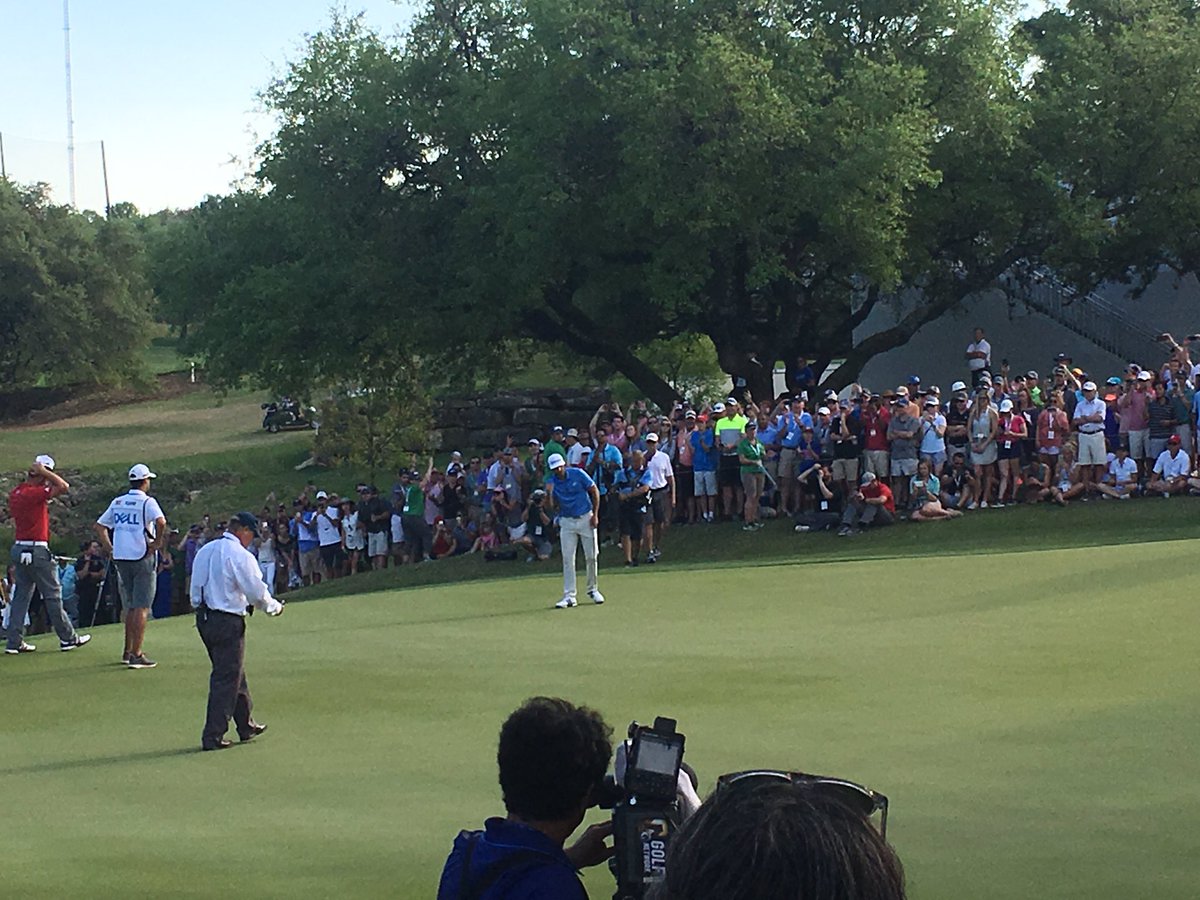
(482, 422)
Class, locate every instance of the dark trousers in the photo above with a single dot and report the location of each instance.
(417, 536)
(224, 636)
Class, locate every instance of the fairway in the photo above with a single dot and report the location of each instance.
(1031, 716)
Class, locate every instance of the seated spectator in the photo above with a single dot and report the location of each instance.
(771, 835)
(925, 491)
(1121, 480)
(871, 504)
(464, 535)
(1067, 481)
(831, 503)
(444, 543)
(1036, 482)
(487, 540)
(958, 483)
(1171, 470)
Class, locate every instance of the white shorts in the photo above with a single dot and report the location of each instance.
(1092, 451)
(705, 484)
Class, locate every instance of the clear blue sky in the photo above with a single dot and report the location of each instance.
(170, 86)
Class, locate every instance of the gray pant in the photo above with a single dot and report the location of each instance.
(224, 636)
(862, 513)
(40, 572)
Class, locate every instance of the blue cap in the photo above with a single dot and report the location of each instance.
(914, 379)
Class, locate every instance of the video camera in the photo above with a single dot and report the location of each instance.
(645, 807)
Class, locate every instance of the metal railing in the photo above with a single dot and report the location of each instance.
(1088, 315)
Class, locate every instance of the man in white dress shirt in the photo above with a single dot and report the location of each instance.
(226, 582)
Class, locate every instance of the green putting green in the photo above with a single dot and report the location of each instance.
(1030, 715)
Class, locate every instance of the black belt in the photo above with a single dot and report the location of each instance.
(1097, 431)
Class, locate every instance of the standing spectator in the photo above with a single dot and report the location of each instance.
(632, 490)
(983, 422)
(1089, 422)
(1052, 430)
(329, 536)
(90, 571)
(958, 439)
(396, 533)
(553, 446)
(263, 548)
(1162, 422)
(1134, 410)
(875, 421)
(139, 531)
(161, 608)
(903, 436)
(871, 504)
(705, 459)
(189, 545)
(287, 571)
(750, 456)
(844, 433)
(979, 357)
(354, 535)
(933, 435)
(535, 466)
(685, 480)
(70, 599)
(1171, 470)
(662, 496)
(33, 565)
(308, 544)
(729, 426)
(573, 493)
(577, 454)
(503, 474)
(1011, 434)
(376, 515)
(416, 532)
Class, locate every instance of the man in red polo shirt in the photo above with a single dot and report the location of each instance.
(32, 563)
(871, 505)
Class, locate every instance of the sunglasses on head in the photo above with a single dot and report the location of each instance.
(861, 799)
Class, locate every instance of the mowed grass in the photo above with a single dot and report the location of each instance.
(1031, 716)
(156, 430)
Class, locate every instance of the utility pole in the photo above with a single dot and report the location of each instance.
(70, 109)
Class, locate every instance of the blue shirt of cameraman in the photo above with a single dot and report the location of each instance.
(571, 492)
(530, 866)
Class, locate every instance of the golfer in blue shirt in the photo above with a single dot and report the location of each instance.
(577, 499)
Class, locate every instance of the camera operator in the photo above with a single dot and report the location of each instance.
(553, 756)
(773, 834)
(536, 538)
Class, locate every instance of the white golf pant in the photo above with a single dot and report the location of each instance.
(574, 531)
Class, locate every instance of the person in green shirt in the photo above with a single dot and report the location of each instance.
(750, 455)
(412, 515)
(555, 444)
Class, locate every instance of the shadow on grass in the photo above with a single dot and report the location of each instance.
(91, 762)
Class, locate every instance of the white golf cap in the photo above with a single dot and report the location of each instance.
(44, 460)
(958, 386)
(140, 472)
(556, 461)
(718, 407)
(1089, 385)
(1144, 376)
(321, 495)
(1005, 406)
(457, 454)
(573, 432)
(652, 437)
(823, 411)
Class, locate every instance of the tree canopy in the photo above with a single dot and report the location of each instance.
(602, 175)
(74, 305)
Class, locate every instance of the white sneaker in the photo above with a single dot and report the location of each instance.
(971, 505)
(565, 603)
(596, 596)
(23, 648)
(801, 529)
(983, 505)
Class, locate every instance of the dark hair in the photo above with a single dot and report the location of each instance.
(552, 755)
(774, 839)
